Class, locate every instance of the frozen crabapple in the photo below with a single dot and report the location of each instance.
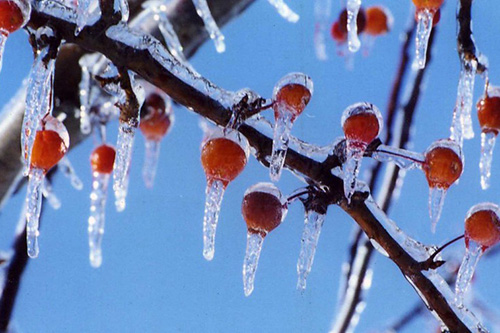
(102, 159)
(337, 34)
(378, 21)
(488, 113)
(482, 230)
(223, 157)
(425, 11)
(291, 95)
(443, 166)
(263, 209)
(360, 21)
(362, 123)
(157, 119)
(428, 4)
(13, 15)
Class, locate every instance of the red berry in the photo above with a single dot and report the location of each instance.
(428, 4)
(294, 96)
(156, 121)
(360, 20)
(443, 164)
(488, 111)
(11, 16)
(378, 20)
(362, 123)
(102, 159)
(337, 34)
(51, 144)
(482, 225)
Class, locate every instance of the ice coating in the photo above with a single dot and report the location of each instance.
(87, 13)
(251, 261)
(322, 10)
(405, 159)
(424, 28)
(34, 206)
(310, 236)
(487, 145)
(362, 123)
(49, 195)
(436, 203)
(284, 10)
(214, 194)
(472, 255)
(210, 24)
(97, 216)
(290, 96)
(69, 172)
(121, 168)
(39, 99)
(353, 42)
(462, 119)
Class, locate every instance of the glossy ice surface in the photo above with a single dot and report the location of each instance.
(482, 225)
(443, 164)
(102, 159)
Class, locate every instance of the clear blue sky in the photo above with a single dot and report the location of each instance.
(154, 277)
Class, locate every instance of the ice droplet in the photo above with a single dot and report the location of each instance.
(282, 129)
(353, 42)
(436, 202)
(322, 10)
(312, 228)
(68, 171)
(34, 206)
(472, 254)
(487, 144)
(214, 194)
(424, 28)
(251, 261)
(38, 99)
(97, 216)
(462, 120)
(210, 24)
(284, 10)
(150, 162)
(121, 167)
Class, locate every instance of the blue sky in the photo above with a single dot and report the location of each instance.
(154, 277)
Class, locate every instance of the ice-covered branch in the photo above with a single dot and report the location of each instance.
(465, 41)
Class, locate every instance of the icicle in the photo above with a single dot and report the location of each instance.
(97, 216)
(487, 144)
(70, 173)
(322, 9)
(171, 38)
(214, 194)
(150, 162)
(38, 99)
(3, 39)
(466, 271)
(350, 170)
(282, 129)
(210, 24)
(48, 193)
(462, 120)
(254, 247)
(121, 167)
(34, 206)
(424, 28)
(436, 202)
(312, 228)
(284, 10)
(353, 42)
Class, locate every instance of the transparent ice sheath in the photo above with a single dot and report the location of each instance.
(436, 203)
(424, 28)
(34, 206)
(97, 216)
(38, 100)
(322, 10)
(251, 261)
(87, 13)
(150, 162)
(284, 10)
(487, 145)
(312, 228)
(405, 159)
(472, 254)
(462, 119)
(210, 24)
(214, 194)
(353, 42)
(3, 39)
(121, 167)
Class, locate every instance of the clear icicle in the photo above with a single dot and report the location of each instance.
(121, 167)
(462, 118)
(424, 28)
(48, 193)
(322, 9)
(214, 194)
(34, 207)
(312, 228)
(150, 162)
(3, 39)
(251, 261)
(350, 170)
(210, 24)
(487, 144)
(284, 10)
(353, 42)
(68, 171)
(436, 202)
(97, 216)
(472, 254)
(38, 101)
(283, 127)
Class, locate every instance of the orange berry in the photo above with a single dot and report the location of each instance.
(488, 113)
(222, 159)
(360, 20)
(48, 149)
(11, 16)
(428, 4)
(482, 225)
(262, 208)
(295, 96)
(361, 127)
(156, 121)
(378, 20)
(337, 34)
(102, 159)
(443, 164)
